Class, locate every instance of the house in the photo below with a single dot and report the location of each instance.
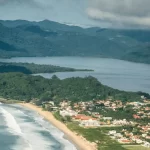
(144, 135)
(96, 114)
(118, 135)
(138, 141)
(121, 122)
(107, 118)
(112, 132)
(68, 113)
(147, 137)
(89, 123)
(146, 144)
(145, 128)
(64, 104)
(55, 108)
(136, 116)
(52, 103)
(124, 141)
(80, 117)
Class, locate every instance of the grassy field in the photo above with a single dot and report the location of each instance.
(99, 136)
(96, 135)
(136, 147)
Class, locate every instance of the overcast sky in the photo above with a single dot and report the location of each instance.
(105, 13)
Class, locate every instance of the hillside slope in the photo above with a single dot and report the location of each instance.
(26, 87)
(47, 38)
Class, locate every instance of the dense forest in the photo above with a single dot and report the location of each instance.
(34, 68)
(27, 87)
(48, 38)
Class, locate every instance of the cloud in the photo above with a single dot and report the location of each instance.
(104, 13)
(134, 12)
(70, 11)
(17, 3)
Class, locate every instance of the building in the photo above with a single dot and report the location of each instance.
(124, 141)
(89, 123)
(107, 118)
(68, 113)
(146, 144)
(112, 132)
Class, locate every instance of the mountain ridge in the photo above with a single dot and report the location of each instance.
(48, 38)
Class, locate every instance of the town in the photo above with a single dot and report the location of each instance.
(128, 123)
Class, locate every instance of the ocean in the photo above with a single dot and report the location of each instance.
(24, 129)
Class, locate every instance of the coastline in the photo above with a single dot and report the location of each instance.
(78, 141)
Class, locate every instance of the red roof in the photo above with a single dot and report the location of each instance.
(84, 117)
(125, 141)
(136, 116)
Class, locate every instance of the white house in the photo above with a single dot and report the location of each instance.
(107, 118)
(68, 113)
(90, 123)
(112, 132)
(121, 122)
(146, 144)
(138, 141)
(118, 135)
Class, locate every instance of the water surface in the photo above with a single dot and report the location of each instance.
(24, 129)
(118, 74)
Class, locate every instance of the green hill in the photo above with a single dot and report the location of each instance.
(26, 87)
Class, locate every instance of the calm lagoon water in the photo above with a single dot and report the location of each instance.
(118, 74)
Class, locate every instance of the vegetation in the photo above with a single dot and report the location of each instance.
(96, 135)
(47, 38)
(5, 101)
(58, 116)
(120, 113)
(34, 68)
(27, 87)
(65, 119)
(138, 147)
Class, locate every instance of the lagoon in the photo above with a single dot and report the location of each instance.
(118, 74)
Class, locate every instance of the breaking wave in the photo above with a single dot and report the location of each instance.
(11, 122)
(56, 133)
(33, 131)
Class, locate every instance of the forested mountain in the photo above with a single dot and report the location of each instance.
(47, 38)
(27, 87)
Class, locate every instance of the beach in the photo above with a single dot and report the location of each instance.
(78, 141)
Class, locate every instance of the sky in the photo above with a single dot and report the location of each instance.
(104, 13)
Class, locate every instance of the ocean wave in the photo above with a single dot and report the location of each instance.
(35, 134)
(14, 128)
(21, 112)
(55, 132)
(60, 137)
(11, 122)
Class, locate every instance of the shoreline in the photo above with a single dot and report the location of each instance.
(78, 141)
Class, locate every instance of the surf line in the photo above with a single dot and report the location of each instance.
(10, 121)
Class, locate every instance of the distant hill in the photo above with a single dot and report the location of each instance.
(48, 38)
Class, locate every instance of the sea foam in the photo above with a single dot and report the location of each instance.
(11, 122)
(60, 137)
(55, 132)
(34, 134)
